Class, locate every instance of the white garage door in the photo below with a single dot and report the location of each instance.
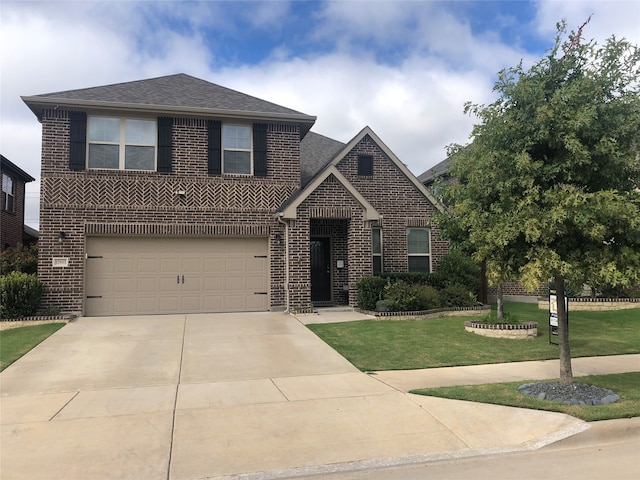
(141, 275)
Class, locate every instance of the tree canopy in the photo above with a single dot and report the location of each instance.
(548, 186)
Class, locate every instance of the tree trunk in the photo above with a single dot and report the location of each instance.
(500, 303)
(566, 374)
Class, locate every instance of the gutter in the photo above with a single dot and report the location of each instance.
(286, 261)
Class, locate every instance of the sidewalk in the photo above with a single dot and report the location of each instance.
(406, 380)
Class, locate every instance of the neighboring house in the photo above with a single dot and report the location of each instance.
(440, 174)
(13, 229)
(176, 195)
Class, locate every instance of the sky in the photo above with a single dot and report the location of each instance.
(403, 68)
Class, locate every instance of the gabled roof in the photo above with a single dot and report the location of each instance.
(392, 156)
(316, 151)
(171, 94)
(11, 168)
(437, 171)
(287, 210)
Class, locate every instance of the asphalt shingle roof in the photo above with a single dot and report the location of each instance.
(316, 151)
(172, 93)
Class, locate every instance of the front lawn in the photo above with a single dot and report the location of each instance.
(409, 344)
(15, 342)
(627, 385)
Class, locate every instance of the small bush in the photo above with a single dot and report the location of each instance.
(427, 297)
(370, 291)
(20, 295)
(458, 269)
(384, 306)
(403, 296)
(457, 296)
(19, 259)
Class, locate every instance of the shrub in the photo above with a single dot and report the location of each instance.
(403, 296)
(370, 291)
(384, 306)
(458, 269)
(410, 278)
(427, 297)
(19, 259)
(20, 295)
(457, 296)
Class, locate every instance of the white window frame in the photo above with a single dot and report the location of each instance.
(237, 149)
(419, 254)
(122, 144)
(8, 206)
(377, 230)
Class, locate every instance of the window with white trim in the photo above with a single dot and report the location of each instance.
(419, 249)
(8, 193)
(121, 143)
(376, 248)
(236, 150)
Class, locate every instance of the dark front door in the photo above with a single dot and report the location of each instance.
(320, 269)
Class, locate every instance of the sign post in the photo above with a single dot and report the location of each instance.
(553, 314)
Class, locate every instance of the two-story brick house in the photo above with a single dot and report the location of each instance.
(12, 227)
(176, 195)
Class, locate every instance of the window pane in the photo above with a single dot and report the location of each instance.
(140, 131)
(235, 136)
(139, 158)
(103, 156)
(419, 264)
(377, 265)
(7, 183)
(237, 162)
(376, 243)
(418, 240)
(104, 129)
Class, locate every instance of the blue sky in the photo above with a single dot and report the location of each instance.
(404, 68)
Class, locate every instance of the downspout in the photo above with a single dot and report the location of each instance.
(286, 261)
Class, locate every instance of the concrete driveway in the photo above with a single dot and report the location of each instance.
(204, 396)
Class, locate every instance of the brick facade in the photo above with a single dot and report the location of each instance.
(93, 202)
(12, 221)
(84, 203)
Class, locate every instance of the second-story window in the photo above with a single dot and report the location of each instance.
(8, 203)
(236, 146)
(121, 143)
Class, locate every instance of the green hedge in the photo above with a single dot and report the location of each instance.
(20, 295)
(454, 283)
(370, 291)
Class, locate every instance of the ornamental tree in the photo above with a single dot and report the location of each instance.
(548, 187)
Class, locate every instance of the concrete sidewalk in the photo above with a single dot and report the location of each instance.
(407, 380)
(186, 397)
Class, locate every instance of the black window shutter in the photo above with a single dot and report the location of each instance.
(215, 147)
(165, 125)
(78, 141)
(260, 150)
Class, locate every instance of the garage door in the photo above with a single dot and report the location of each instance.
(140, 275)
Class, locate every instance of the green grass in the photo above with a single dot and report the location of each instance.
(409, 344)
(15, 342)
(627, 385)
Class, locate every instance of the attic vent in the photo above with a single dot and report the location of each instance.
(365, 165)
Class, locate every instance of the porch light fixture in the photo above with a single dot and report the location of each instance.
(278, 239)
(62, 237)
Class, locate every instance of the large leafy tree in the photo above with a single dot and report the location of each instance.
(548, 186)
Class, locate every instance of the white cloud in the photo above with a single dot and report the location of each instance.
(619, 17)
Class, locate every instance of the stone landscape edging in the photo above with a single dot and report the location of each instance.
(503, 330)
(428, 314)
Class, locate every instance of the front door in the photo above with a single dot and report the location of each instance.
(320, 269)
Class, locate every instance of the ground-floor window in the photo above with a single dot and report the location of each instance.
(376, 247)
(419, 249)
